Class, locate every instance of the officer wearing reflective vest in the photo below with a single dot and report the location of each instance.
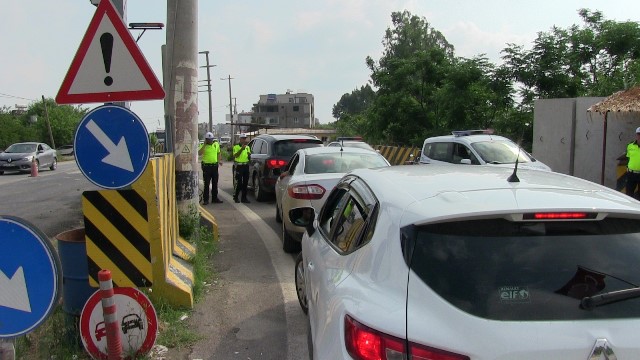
(211, 159)
(633, 167)
(241, 154)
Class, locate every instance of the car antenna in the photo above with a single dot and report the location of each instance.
(514, 176)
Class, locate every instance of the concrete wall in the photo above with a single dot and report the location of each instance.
(569, 139)
(553, 123)
(588, 145)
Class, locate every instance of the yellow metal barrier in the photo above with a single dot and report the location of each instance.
(397, 155)
(134, 233)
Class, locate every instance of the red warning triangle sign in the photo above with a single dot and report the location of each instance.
(109, 65)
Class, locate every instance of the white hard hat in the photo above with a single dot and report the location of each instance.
(208, 135)
(243, 135)
(638, 130)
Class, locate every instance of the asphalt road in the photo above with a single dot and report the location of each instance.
(251, 311)
(52, 201)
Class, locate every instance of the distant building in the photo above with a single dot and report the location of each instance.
(289, 110)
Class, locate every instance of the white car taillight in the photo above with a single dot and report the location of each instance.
(365, 343)
(306, 192)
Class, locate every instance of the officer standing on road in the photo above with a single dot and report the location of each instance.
(633, 167)
(211, 159)
(241, 153)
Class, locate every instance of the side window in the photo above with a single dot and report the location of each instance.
(265, 147)
(350, 225)
(291, 167)
(460, 152)
(441, 151)
(331, 211)
(255, 146)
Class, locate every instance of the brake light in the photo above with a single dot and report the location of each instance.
(559, 216)
(306, 192)
(365, 343)
(275, 163)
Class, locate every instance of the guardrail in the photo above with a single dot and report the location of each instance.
(397, 155)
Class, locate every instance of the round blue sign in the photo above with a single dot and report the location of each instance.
(111, 146)
(30, 275)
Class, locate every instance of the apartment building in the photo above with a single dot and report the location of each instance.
(288, 110)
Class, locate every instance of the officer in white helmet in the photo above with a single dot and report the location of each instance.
(211, 159)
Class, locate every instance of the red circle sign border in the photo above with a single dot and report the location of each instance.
(133, 293)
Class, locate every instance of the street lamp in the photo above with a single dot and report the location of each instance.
(144, 27)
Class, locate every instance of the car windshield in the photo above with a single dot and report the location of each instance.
(286, 148)
(530, 271)
(500, 152)
(21, 148)
(341, 162)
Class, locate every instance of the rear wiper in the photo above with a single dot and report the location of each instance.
(590, 302)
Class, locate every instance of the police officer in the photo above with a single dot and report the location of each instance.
(241, 153)
(633, 167)
(211, 159)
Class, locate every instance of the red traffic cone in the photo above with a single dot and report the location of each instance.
(34, 167)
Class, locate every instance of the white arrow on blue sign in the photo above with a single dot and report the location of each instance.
(30, 277)
(111, 146)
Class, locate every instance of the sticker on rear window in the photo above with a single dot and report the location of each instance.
(514, 295)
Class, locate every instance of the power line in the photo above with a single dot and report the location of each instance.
(15, 97)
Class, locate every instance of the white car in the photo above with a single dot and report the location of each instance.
(477, 147)
(448, 262)
(309, 177)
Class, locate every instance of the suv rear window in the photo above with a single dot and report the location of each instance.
(503, 270)
(286, 148)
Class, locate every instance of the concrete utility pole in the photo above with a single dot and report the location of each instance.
(233, 138)
(206, 53)
(182, 98)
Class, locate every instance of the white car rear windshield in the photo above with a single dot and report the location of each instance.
(502, 270)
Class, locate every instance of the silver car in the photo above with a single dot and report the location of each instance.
(19, 156)
(309, 177)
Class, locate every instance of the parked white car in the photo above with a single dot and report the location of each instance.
(450, 262)
(309, 177)
(477, 147)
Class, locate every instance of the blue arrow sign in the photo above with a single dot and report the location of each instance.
(30, 276)
(112, 146)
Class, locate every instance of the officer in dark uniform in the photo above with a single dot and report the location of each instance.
(633, 167)
(241, 153)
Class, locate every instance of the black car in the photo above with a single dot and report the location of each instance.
(269, 155)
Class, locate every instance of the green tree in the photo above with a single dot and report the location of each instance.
(414, 64)
(595, 59)
(63, 119)
(350, 111)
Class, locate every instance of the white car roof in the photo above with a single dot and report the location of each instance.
(422, 194)
(468, 139)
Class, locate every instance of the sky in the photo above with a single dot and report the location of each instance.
(318, 47)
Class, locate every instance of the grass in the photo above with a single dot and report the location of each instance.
(57, 337)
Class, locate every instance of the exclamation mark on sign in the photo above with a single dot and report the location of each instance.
(106, 43)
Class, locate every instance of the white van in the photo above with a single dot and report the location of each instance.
(477, 147)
